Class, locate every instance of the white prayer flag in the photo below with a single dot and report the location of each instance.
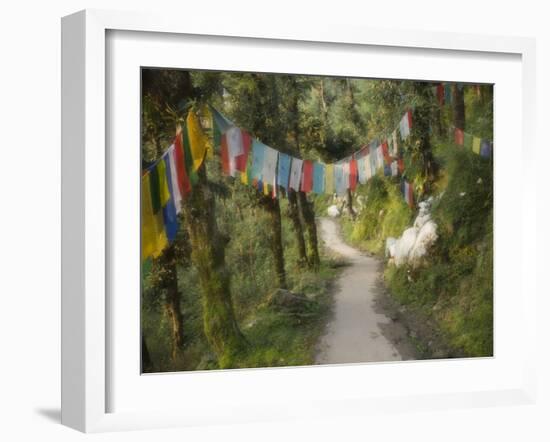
(295, 174)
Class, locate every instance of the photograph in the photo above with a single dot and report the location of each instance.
(302, 220)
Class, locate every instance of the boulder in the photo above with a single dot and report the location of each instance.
(282, 299)
(426, 237)
(333, 211)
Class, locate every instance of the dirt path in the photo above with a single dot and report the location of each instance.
(359, 331)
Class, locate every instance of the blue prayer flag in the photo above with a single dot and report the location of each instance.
(318, 177)
(283, 172)
(258, 153)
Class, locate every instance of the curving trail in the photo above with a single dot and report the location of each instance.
(355, 333)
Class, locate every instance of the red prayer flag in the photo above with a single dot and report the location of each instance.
(459, 136)
(401, 165)
(440, 94)
(353, 173)
(307, 176)
(183, 179)
(242, 160)
(386, 152)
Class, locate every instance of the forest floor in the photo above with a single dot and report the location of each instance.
(364, 326)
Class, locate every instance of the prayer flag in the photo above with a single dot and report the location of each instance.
(459, 136)
(318, 177)
(283, 172)
(224, 153)
(234, 140)
(174, 179)
(169, 210)
(379, 157)
(345, 173)
(362, 165)
(269, 169)
(241, 161)
(476, 145)
(468, 141)
(395, 145)
(329, 179)
(258, 153)
(368, 167)
(153, 237)
(387, 170)
(339, 182)
(307, 176)
(486, 148)
(353, 174)
(448, 94)
(440, 94)
(187, 155)
(197, 139)
(394, 168)
(386, 152)
(179, 158)
(295, 174)
(408, 193)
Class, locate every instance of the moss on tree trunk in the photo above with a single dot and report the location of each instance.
(208, 256)
(308, 214)
(271, 205)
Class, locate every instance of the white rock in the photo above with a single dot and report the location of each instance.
(333, 211)
(425, 238)
(390, 247)
(404, 245)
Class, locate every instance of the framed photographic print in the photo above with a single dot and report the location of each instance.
(283, 222)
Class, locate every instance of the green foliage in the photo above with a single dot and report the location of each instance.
(385, 214)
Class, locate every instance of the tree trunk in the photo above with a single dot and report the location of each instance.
(294, 215)
(459, 117)
(146, 363)
(271, 205)
(168, 280)
(421, 132)
(208, 256)
(306, 207)
(349, 199)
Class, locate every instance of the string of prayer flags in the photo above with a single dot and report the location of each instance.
(318, 177)
(283, 171)
(307, 176)
(295, 174)
(329, 179)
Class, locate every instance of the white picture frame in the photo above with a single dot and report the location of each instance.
(86, 315)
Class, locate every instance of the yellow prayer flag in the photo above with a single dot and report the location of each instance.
(197, 139)
(329, 179)
(163, 183)
(476, 145)
(147, 222)
(244, 177)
